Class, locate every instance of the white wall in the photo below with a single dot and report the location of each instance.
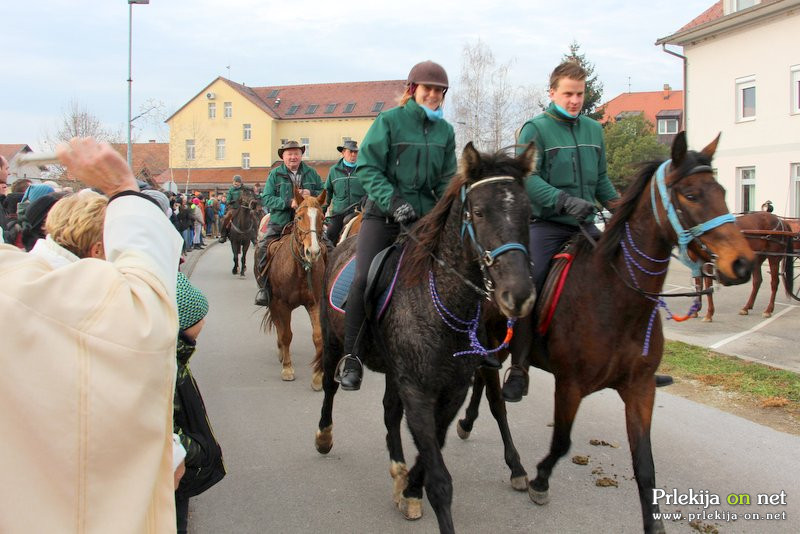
(771, 142)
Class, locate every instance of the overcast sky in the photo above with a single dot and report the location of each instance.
(57, 51)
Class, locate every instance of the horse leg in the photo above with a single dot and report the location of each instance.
(698, 285)
(235, 259)
(282, 317)
(245, 247)
(707, 281)
(567, 401)
(392, 417)
(330, 357)
(421, 413)
(638, 398)
(464, 426)
(757, 278)
(316, 334)
(519, 477)
(774, 271)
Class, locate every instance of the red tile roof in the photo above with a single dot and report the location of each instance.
(293, 101)
(149, 159)
(712, 13)
(9, 151)
(649, 103)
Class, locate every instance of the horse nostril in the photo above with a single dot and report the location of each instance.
(742, 268)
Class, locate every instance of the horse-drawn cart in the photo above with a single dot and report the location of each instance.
(779, 238)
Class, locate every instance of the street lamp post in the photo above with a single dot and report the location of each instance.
(130, 79)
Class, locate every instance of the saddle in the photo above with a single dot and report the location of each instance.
(381, 280)
(551, 292)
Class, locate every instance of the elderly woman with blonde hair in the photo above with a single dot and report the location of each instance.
(74, 229)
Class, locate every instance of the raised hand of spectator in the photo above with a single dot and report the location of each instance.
(97, 165)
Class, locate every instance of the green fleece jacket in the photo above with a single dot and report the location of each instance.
(406, 155)
(343, 187)
(570, 157)
(278, 191)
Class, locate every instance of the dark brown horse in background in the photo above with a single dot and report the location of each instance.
(767, 235)
(244, 227)
(606, 331)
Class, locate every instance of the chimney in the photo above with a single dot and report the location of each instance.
(667, 90)
(151, 140)
(277, 102)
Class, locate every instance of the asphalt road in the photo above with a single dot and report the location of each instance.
(277, 482)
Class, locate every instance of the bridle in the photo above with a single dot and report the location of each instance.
(298, 236)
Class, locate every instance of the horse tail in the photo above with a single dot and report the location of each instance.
(266, 322)
(788, 268)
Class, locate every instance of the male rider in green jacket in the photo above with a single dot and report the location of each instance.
(232, 200)
(278, 198)
(345, 191)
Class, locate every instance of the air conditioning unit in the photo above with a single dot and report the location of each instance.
(211, 96)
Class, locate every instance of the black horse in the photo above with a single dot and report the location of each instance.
(244, 227)
(478, 232)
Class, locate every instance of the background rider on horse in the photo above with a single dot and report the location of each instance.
(278, 198)
(233, 200)
(345, 191)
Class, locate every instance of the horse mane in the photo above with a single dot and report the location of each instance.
(427, 234)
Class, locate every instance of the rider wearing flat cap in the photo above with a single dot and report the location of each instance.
(278, 198)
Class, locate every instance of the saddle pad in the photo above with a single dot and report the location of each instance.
(546, 302)
(344, 279)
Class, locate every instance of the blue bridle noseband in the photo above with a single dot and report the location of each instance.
(486, 257)
(685, 236)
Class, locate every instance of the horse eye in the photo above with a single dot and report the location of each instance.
(477, 213)
(691, 197)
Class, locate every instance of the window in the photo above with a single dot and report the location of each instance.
(228, 106)
(746, 186)
(272, 94)
(743, 4)
(349, 107)
(377, 107)
(330, 107)
(220, 154)
(795, 178)
(305, 142)
(246, 133)
(292, 109)
(795, 91)
(245, 160)
(212, 110)
(667, 126)
(746, 99)
(312, 108)
(189, 149)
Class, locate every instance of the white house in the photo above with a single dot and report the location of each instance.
(742, 69)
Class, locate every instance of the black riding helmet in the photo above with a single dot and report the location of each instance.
(428, 73)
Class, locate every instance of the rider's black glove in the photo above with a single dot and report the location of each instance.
(402, 211)
(575, 206)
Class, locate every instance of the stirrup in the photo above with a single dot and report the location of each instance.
(337, 373)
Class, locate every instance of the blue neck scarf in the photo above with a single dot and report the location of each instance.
(565, 113)
(433, 115)
(348, 164)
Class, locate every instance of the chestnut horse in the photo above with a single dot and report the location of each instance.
(606, 331)
(427, 342)
(767, 236)
(295, 270)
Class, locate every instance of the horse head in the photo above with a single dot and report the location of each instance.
(495, 216)
(688, 205)
(308, 225)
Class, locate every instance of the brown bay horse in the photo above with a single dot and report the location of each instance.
(769, 236)
(243, 229)
(606, 331)
(295, 271)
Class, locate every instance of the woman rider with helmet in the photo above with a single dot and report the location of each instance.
(406, 161)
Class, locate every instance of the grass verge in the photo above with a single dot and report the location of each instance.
(767, 386)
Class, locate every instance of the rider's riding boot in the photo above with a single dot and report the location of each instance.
(516, 384)
(663, 380)
(223, 234)
(263, 295)
(350, 375)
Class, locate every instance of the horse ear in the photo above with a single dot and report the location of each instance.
(528, 159)
(470, 161)
(712, 147)
(297, 196)
(679, 149)
(321, 197)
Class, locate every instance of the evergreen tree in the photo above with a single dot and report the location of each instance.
(594, 87)
(630, 141)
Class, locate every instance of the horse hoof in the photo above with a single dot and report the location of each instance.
(463, 434)
(324, 440)
(657, 528)
(743, 312)
(539, 497)
(519, 483)
(287, 374)
(399, 473)
(234, 271)
(316, 381)
(765, 314)
(410, 507)
(707, 319)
